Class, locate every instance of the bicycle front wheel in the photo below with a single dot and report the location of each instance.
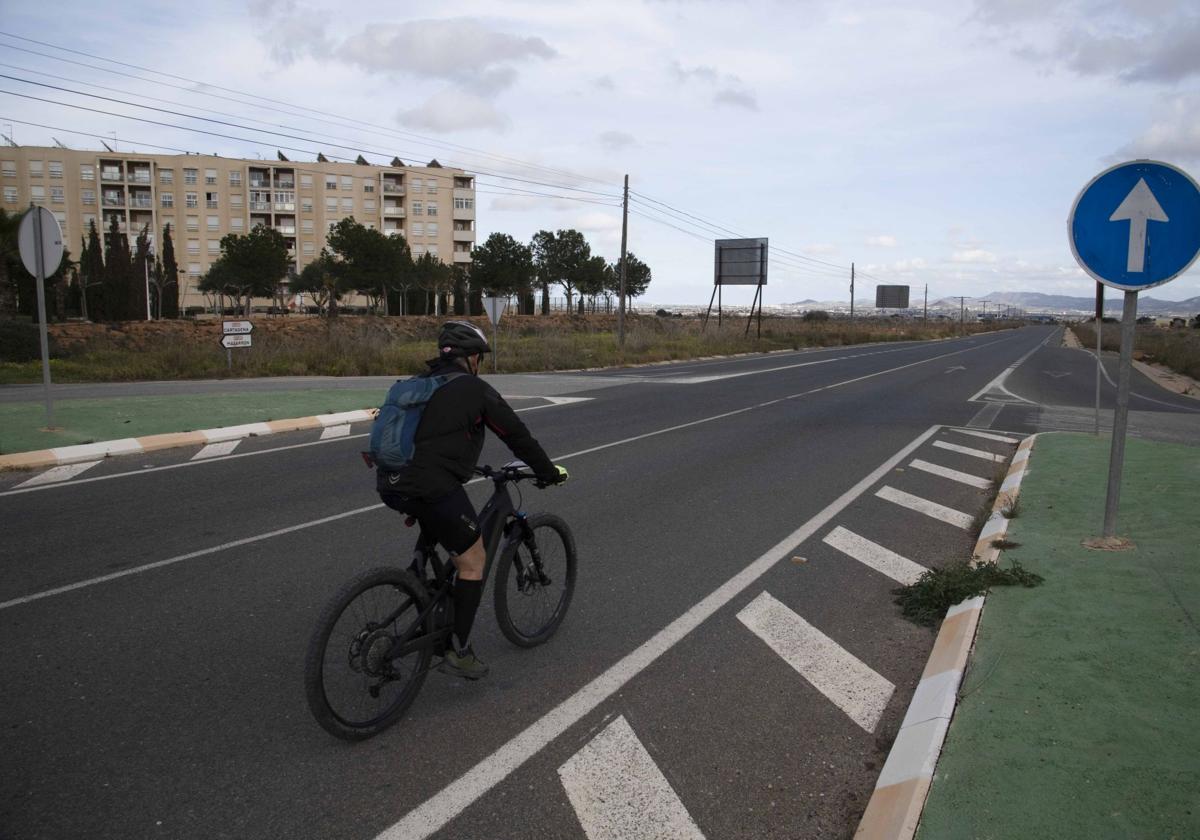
(355, 682)
(535, 579)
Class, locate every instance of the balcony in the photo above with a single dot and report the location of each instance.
(287, 206)
(464, 235)
(393, 189)
(462, 256)
(143, 201)
(260, 184)
(262, 206)
(282, 184)
(463, 213)
(393, 212)
(113, 201)
(286, 230)
(112, 176)
(139, 176)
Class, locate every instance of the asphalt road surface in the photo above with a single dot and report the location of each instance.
(732, 665)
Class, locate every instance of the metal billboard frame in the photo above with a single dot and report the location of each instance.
(729, 270)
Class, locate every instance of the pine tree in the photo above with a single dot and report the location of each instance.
(93, 304)
(118, 271)
(170, 278)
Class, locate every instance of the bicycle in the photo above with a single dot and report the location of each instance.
(372, 647)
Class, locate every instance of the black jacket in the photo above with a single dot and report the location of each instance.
(450, 438)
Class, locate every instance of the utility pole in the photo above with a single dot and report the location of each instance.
(851, 295)
(926, 317)
(962, 303)
(624, 239)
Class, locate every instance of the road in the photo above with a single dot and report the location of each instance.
(155, 611)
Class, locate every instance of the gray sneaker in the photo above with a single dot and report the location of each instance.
(463, 663)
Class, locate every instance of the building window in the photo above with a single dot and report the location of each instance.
(89, 219)
(210, 200)
(368, 185)
(10, 195)
(193, 224)
(193, 247)
(214, 222)
(308, 249)
(347, 205)
(418, 250)
(347, 182)
(464, 204)
(431, 229)
(210, 177)
(194, 269)
(331, 182)
(368, 204)
(191, 199)
(56, 169)
(306, 205)
(418, 228)
(235, 179)
(306, 226)
(235, 200)
(166, 176)
(432, 251)
(190, 175)
(89, 196)
(35, 168)
(431, 208)
(9, 168)
(38, 193)
(331, 205)
(167, 199)
(431, 185)
(418, 209)
(306, 181)
(214, 246)
(237, 223)
(417, 185)
(56, 195)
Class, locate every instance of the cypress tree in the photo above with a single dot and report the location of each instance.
(170, 281)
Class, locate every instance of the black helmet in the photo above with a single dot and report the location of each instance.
(461, 338)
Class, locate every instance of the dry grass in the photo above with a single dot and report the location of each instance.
(1177, 348)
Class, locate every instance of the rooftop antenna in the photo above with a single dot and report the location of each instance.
(58, 143)
(8, 134)
(105, 145)
(8, 140)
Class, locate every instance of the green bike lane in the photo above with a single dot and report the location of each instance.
(1077, 717)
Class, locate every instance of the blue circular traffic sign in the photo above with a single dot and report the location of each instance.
(1136, 225)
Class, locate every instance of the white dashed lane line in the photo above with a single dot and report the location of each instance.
(875, 556)
(932, 509)
(974, 453)
(986, 435)
(953, 475)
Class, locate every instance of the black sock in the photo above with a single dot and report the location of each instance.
(466, 601)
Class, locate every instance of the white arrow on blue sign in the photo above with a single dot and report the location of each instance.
(1136, 225)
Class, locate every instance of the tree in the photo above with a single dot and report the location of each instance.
(434, 277)
(637, 276)
(320, 280)
(18, 288)
(10, 262)
(252, 265)
(595, 278)
(91, 277)
(167, 278)
(140, 276)
(504, 266)
(118, 273)
(369, 261)
(559, 258)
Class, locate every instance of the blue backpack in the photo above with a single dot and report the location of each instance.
(393, 435)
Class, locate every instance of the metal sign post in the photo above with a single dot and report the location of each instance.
(1134, 226)
(39, 239)
(235, 334)
(740, 262)
(495, 308)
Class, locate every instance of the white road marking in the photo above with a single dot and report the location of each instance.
(997, 384)
(986, 435)
(849, 683)
(881, 559)
(217, 450)
(953, 475)
(567, 400)
(619, 793)
(452, 800)
(57, 474)
(966, 450)
(926, 507)
(331, 432)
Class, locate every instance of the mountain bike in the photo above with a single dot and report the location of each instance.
(375, 639)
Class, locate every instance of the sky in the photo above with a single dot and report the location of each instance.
(929, 143)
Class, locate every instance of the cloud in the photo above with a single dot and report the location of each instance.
(974, 255)
(884, 240)
(819, 248)
(915, 264)
(736, 98)
(604, 83)
(454, 110)
(1175, 136)
(615, 141)
(703, 73)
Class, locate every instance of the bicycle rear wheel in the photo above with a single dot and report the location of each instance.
(535, 579)
(354, 688)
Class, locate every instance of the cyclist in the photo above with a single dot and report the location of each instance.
(448, 441)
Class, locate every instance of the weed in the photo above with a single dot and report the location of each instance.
(926, 601)
(1004, 542)
(1011, 509)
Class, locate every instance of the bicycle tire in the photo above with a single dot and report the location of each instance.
(326, 649)
(515, 590)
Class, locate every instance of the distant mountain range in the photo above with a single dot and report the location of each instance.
(1036, 302)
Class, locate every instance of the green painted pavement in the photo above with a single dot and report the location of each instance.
(93, 420)
(1079, 714)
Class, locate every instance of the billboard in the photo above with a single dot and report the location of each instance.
(740, 262)
(891, 297)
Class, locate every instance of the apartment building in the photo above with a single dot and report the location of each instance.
(205, 197)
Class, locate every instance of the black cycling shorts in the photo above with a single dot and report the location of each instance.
(450, 520)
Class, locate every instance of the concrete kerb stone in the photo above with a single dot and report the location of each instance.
(894, 810)
(131, 446)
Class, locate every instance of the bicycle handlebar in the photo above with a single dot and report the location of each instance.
(504, 473)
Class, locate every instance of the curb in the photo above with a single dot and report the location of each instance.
(149, 443)
(894, 810)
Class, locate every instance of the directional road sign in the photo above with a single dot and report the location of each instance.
(236, 327)
(236, 340)
(495, 308)
(1136, 225)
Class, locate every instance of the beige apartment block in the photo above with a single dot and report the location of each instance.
(205, 197)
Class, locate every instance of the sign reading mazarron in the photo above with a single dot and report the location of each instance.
(740, 262)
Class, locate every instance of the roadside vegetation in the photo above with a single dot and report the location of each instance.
(386, 346)
(1175, 347)
(926, 601)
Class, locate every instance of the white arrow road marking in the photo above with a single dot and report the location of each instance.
(966, 450)
(956, 367)
(871, 554)
(567, 400)
(985, 435)
(1139, 208)
(851, 685)
(1056, 374)
(217, 450)
(953, 475)
(619, 793)
(933, 509)
(335, 431)
(56, 474)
